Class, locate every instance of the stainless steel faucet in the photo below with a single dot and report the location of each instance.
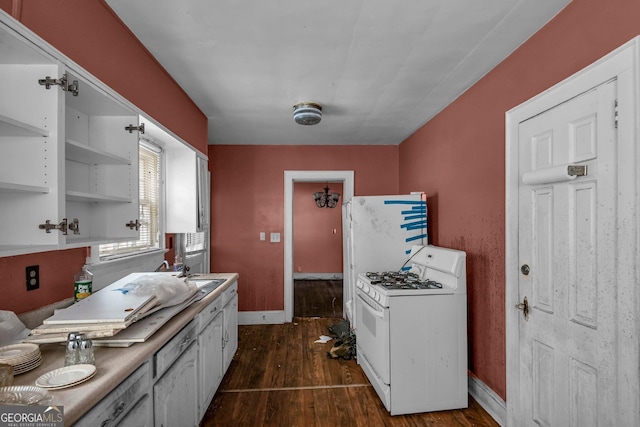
(163, 267)
(184, 271)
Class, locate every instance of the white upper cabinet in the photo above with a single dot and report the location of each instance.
(30, 128)
(68, 166)
(186, 182)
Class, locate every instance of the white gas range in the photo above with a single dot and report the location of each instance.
(412, 332)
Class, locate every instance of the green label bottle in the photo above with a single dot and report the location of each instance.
(83, 284)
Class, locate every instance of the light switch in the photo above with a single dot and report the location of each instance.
(275, 237)
(263, 236)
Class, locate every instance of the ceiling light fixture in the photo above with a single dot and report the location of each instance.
(307, 113)
(326, 200)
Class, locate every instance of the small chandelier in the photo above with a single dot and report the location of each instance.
(307, 113)
(326, 200)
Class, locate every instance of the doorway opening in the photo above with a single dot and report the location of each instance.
(317, 250)
(347, 180)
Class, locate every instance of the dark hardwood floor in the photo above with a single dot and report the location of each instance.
(281, 377)
(317, 298)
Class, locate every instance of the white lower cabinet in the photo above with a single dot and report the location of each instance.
(175, 394)
(176, 386)
(230, 338)
(127, 402)
(209, 362)
(141, 415)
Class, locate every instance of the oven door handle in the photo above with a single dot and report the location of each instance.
(375, 311)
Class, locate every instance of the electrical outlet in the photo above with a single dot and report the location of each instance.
(33, 277)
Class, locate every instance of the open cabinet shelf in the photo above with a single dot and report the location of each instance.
(78, 196)
(9, 187)
(83, 153)
(15, 128)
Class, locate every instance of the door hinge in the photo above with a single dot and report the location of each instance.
(133, 225)
(64, 226)
(63, 82)
(615, 114)
(131, 128)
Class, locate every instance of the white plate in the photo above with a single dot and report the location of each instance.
(24, 395)
(18, 352)
(66, 377)
(72, 384)
(28, 367)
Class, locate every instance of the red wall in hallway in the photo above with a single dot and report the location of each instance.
(91, 35)
(316, 249)
(458, 159)
(247, 190)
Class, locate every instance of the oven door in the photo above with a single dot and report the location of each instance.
(372, 336)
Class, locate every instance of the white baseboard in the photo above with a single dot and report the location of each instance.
(489, 400)
(317, 276)
(261, 317)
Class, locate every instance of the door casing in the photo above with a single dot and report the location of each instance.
(346, 177)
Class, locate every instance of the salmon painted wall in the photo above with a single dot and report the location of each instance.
(247, 191)
(91, 35)
(458, 159)
(316, 249)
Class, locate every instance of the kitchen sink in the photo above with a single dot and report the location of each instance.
(205, 286)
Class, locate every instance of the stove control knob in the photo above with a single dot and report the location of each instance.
(365, 287)
(377, 297)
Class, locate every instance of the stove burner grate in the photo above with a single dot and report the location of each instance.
(401, 280)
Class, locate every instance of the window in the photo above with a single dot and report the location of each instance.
(194, 242)
(149, 189)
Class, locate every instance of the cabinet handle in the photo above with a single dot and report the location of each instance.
(186, 341)
(116, 414)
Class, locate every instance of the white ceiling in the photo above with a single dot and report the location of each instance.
(380, 68)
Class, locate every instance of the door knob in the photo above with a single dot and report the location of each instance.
(524, 306)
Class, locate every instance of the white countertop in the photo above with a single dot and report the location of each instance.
(114, 365)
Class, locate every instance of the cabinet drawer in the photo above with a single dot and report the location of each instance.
(229, 293)
(207, 315)
(174, 348)
(116, 404)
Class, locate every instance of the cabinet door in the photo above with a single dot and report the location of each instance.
(30, 129)
(141, 415)
(182, 190)
(175, 394)
(101, 166)
(209, 362)
(203, 193)
(230, 337)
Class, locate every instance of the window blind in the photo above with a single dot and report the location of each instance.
(194, 242)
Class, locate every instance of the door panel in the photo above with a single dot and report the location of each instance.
(567, 236)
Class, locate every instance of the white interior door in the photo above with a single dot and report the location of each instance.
(575, 361)
(567, 250)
